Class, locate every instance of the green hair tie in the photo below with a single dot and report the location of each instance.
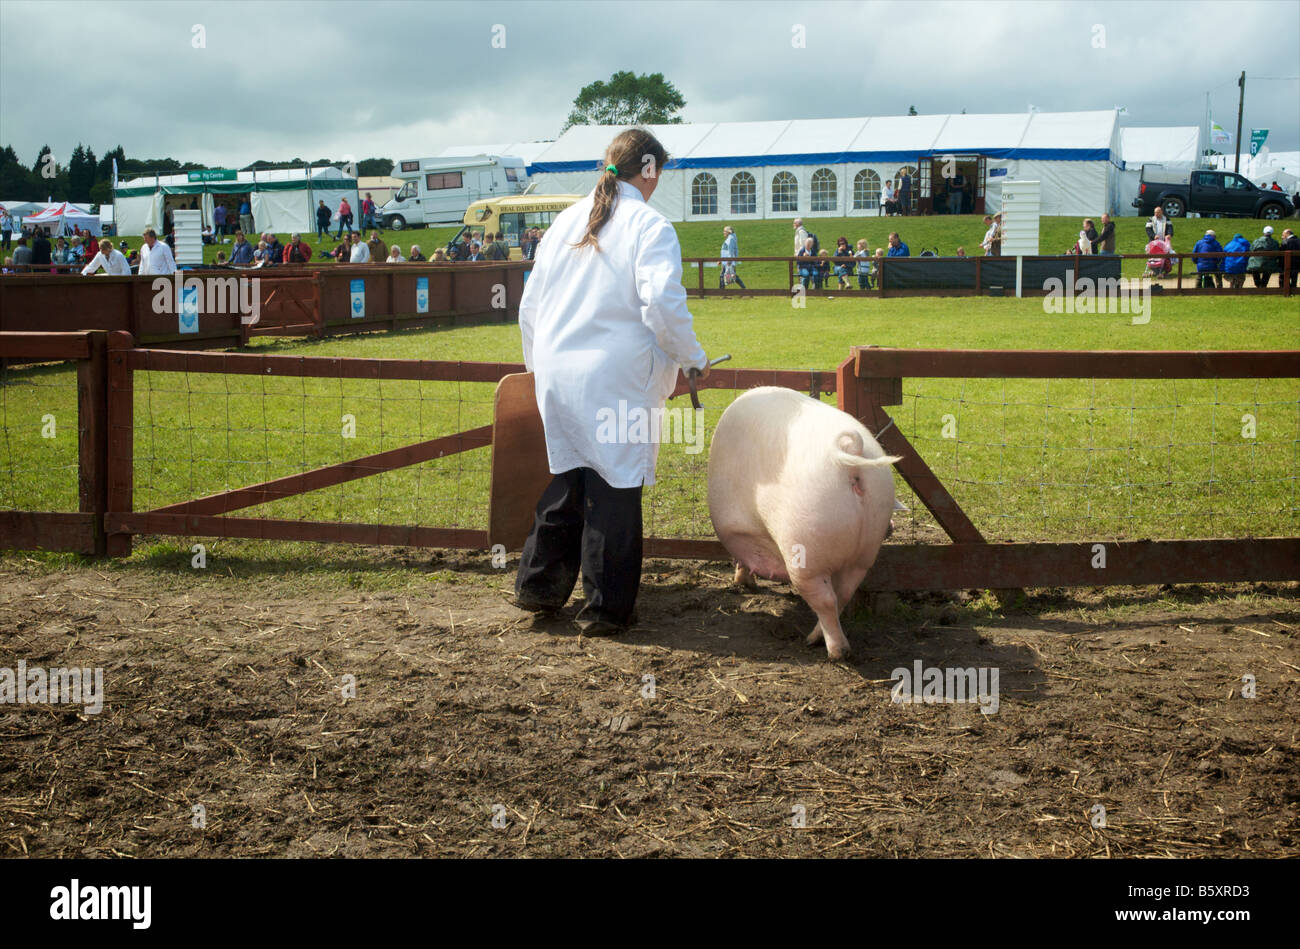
(612, 169)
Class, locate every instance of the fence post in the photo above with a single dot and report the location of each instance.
(318, 305)
(979, 287)
(1287, 264)
(699, 265)
(92, 435)
(1180, 273)
(121, 436)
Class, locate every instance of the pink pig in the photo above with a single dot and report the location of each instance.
(800, 491)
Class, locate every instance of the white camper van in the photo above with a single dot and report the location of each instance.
(439, 190)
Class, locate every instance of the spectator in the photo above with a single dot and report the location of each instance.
(808, 266)
(112, 261)
(274, 249)
(241, 254)
(206, 235)
(22, 255)
(6, 228)
(297, 252)
(155, 256)
(439, 256)
(896, 246)
(343, 253)
(322, 220)
(1275, 187)
(475, 252)
(1259, 267)
(259, 255)
(219, 219)
(730, 251)
(992, 242)
(1292, 243)
(417, 257)
(1090, 232)
(395, 256)
(345, 218)
(378, 249)
(905, 193)
(246, 215)
(8, 266)
(823, 269)
(1209, 269)
(876, 264)
(221, 258)
(800, 236)
(76, 250)
(888, 200)
(1159, 225)
(40, 249)
(843, 269)
(493, 249)
(368, 212)
(360, 250)
(1105, 241)
(864, 256)
(528, 243)
(60, 253)
(961, 251)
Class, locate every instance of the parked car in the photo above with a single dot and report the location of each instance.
(1207, 192)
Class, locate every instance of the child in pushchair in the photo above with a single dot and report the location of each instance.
(1159, 266)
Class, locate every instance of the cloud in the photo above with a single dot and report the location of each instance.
(286, 80)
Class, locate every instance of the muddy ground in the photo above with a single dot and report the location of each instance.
(478, 731)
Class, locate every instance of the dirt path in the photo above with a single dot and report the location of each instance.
(228, 693)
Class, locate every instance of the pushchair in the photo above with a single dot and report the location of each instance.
(1158, 266)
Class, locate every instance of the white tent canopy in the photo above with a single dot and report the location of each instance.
(1075, 154)
(64, 218)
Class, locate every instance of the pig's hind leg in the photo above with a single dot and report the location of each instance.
(819, 593)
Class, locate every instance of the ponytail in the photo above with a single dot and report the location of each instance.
(631, 153)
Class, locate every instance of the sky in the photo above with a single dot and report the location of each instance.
(228, 83)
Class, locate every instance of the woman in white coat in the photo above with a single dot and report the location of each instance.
(605, 328)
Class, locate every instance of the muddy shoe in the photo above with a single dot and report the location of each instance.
(532, 605)
(598, 627)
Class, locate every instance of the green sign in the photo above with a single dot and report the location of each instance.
(1257, 137)
(216, 174)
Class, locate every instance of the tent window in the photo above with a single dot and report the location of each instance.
(785, 192)
(704, 194)
(824, 186)
(866, 190)
(442, 181)
(744, 194)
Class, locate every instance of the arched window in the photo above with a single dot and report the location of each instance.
(785, 192)
(744, 194)
(824, 185)
(866, 190)
(704, 194)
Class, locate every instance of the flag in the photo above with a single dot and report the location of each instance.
(1219, 135)
(1257, 139)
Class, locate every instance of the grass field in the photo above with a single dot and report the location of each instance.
(1027, 459)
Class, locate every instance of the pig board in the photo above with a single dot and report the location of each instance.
(520, 472)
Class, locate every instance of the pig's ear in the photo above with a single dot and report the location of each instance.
(899, 505)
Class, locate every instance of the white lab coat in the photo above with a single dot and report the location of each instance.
(604, 328)
(113, 263)
(157, 260)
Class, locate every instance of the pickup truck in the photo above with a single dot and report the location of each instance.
(1207, 192)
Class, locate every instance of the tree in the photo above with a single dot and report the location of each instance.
(911, 110)
(627, 99)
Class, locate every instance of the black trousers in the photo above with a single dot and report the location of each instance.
(585, 526)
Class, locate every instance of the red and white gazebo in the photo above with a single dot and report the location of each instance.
(63, 219)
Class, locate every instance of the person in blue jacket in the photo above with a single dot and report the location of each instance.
(896, 246)
(1235, 267)
(1208, 268)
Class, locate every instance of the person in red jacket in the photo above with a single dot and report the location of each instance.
(345, 218)
(297, 252)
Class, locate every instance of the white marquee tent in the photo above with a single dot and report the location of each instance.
(1176, 148)
(754, 170)
(282, 200)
